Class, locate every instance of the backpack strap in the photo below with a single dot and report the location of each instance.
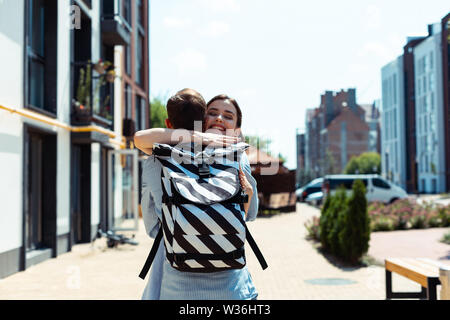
(152, 254)
(255, 249)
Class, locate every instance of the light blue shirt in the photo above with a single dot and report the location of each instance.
(167, 283)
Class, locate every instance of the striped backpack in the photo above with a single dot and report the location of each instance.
(203, 217)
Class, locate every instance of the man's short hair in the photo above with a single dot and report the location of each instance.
(186, 107)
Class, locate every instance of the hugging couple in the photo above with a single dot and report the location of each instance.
(179, 276)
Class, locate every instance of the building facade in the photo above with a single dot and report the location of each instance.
(430, 140)
(445, 36)
(335, 132)
(393, 150)
(423, 82)
(65, 162)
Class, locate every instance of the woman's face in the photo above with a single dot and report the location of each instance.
(221, 118)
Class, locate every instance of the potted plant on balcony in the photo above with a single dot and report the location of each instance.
(85, 98)
(82, 102)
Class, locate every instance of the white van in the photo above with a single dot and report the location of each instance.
(377, 188)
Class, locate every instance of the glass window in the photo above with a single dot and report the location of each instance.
(394, 95)
(140, 60)
(140, 12)
(377, 182)
(347, 183)
(128, 101)
(37, 84)
(37, 27)
(36, 54)
(128, 60)
(127, 10)
(431, 61)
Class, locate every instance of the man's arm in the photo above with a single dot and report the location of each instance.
(145, 139)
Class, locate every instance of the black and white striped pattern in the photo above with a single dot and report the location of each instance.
(205, 224)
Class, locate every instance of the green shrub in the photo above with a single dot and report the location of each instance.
(336, 212)
(444, 215)
(354, 225)
(446, 238)
(312, 227)
(382, 223)
(324, 221)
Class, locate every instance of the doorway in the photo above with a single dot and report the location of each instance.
(39, 235)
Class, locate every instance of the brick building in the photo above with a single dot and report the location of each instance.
(335, 132)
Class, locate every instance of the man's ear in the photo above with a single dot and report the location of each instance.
(168, 124)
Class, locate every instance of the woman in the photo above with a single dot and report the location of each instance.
(222, 126)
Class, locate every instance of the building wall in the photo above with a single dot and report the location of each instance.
(347, 136)
(429, 115)
(393, 155)
(11, 95)
(13, 133)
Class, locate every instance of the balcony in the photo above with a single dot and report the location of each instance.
(93, 100)
(116, 19)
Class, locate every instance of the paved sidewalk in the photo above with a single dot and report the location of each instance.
(296, 270)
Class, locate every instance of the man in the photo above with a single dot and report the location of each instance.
(184, 109)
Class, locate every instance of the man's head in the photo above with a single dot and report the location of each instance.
(184, 108)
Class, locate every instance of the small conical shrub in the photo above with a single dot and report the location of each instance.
(324, 221)
(355, 233)
(338, 209)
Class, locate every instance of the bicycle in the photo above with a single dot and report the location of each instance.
(114, 239)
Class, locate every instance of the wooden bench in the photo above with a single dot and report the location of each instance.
(420, 270)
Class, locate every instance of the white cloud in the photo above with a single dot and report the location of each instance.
(178, 23)
(221, 5)
(215, 29)
(190, 62)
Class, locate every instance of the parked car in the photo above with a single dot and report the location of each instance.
(312, 187)
(315, 198)
(377, 188)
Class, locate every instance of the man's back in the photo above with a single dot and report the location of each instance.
(174, 284)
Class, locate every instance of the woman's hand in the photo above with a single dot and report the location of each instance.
(214, 140)
(247, 188)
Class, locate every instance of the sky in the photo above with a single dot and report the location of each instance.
(276, 58)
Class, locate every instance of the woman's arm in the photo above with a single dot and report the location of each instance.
(145, 139)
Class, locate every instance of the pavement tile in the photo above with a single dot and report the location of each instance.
(94, 272)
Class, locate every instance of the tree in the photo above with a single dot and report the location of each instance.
(366, 163)
(158, 113)
(259, 143)
(354, 234)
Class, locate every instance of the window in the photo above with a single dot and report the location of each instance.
(126, 13)
(140, 113)
(128, 60)
(128, 101)
(347, 183)
(431, 61)
(140, 60)
(41, 55)
(140, 13)
(431, 82)
(394, 94)
(36, 54)
(377, 182)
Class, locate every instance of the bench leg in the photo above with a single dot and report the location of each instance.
(432, 290)
(409, 295)
(388, 285)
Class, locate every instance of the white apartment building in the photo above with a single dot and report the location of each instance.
(393, 150)
(63, 165)
(430, 141)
